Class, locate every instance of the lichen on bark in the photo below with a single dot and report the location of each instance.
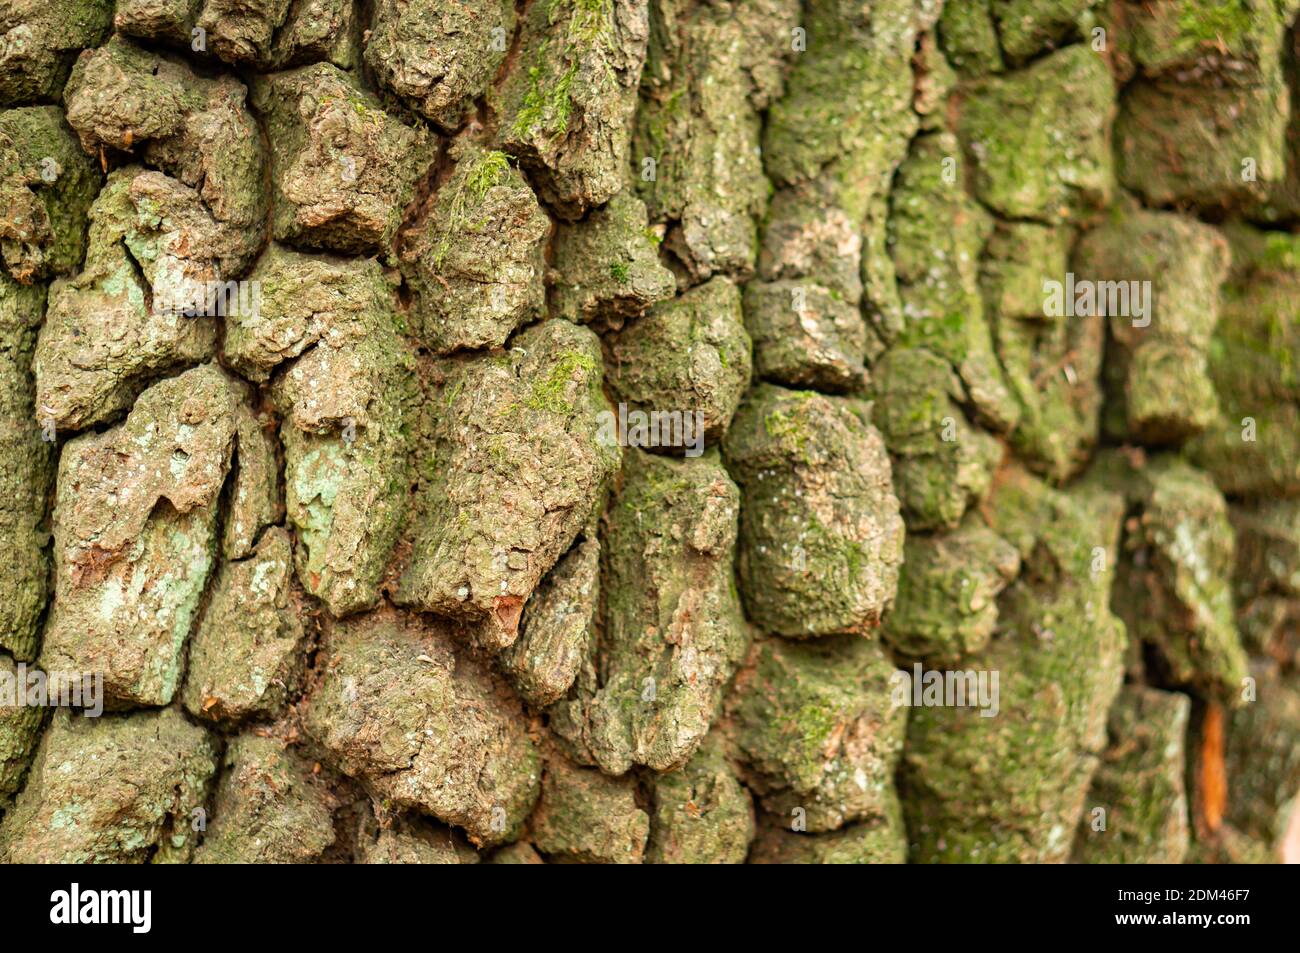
(649, 431)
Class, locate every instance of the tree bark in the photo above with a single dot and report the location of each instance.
(649, 431)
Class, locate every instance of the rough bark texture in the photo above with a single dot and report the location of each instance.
(649, 431)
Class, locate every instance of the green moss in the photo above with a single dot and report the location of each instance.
(1220, 20)
(1281, 252)
(1140, 783)
(1010, 788)
(825, 548)
(537, 104)
(794, 709)
(471, 186)
(1037, 139)
(969, 38)
(605, 266)
(548, 102)
(487, 172)
(810, 467)
(548, 394)
(813, 724)
(791, 430)
(703, 814)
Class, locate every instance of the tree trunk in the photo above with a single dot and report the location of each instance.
(666, 431)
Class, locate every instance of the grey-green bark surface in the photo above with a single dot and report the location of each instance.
(649, 431)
